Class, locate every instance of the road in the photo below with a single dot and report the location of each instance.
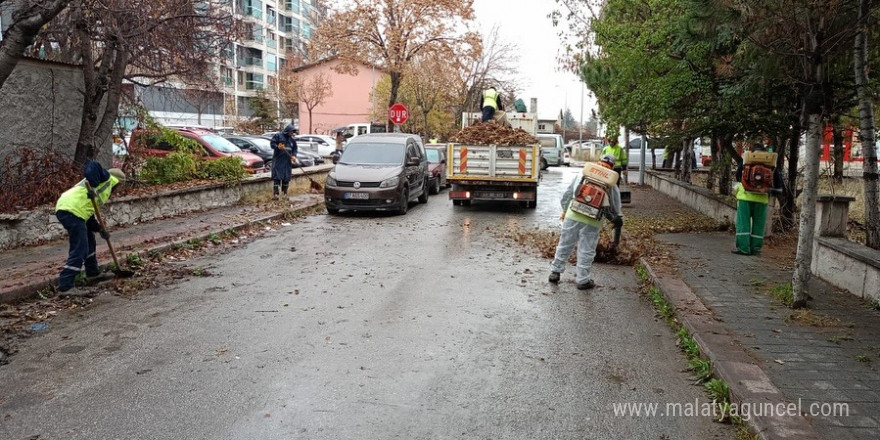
(424, 326)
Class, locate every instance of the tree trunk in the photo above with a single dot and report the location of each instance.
(396, 77)
(111, 108)
(710, 181)
(687, 159)
(788, 202)
(806, 230)
(866, 127)
(27, 20)
(837, 139)
(727, 155)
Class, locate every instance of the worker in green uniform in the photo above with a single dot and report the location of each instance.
(751, 211)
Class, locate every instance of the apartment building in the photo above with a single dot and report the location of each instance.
(273, 29)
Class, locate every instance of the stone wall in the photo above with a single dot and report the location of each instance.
(41, 107)
(40, 225)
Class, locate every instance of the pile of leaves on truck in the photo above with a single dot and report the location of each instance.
(491, 133)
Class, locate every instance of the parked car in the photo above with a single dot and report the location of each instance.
(379, 172)
(214, 146)
(436, 168)
(316, 158)
(552, 149)
(634, 154)
(260, 146)
(326, 144)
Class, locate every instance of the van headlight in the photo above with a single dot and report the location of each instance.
(331, 181)
(390, 183)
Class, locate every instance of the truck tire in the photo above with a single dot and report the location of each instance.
(533, 204)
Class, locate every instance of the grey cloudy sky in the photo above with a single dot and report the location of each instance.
(524, 23)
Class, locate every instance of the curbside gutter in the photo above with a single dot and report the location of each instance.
(730, 360)
(32, 288)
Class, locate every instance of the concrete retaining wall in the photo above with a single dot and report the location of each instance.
(848, 265)
(42, 108)
(699, 199)
(40, 225)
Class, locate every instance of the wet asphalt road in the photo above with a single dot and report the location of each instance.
(426, 326)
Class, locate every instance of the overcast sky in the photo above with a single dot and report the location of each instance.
(524, 23)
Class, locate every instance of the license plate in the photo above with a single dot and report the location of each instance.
(492, 195)
(360, 196)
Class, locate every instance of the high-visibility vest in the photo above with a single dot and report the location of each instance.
(742, 194)
(490, 98)
(76, 200)
(618, 152)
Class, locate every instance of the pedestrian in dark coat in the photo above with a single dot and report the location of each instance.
(283, 156)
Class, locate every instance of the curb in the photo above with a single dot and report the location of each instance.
(731, 362)
(31, 289)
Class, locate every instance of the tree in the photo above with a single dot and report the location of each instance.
(315, 92)
(264, 110)
(866, 125)
(28, 17)
(391, 33)
(145, 42)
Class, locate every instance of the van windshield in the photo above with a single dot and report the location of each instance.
(368, 153)
(433, 155)
(221, 144)
(547, 142)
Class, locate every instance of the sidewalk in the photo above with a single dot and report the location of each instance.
(26, 270)
(823, 356)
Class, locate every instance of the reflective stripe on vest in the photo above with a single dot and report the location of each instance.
(490, 98)
(76, 200)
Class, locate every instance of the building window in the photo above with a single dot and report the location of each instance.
(253, 81)
(270, 16)
(271, 63)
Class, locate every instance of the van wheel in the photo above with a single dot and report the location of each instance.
(544, 164)
(404, 202)
(423, 198)
(435, 189)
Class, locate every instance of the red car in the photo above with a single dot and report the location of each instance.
(436, 168)
(215, 146)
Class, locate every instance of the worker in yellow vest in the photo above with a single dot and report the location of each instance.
(491, 103)
(620, 158)
(76, 213)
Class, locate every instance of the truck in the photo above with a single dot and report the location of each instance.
(494, 172)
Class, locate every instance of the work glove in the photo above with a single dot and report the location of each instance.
(562, 216)
(104, 234)
(617, 221)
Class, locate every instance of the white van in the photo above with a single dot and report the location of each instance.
(353, 130)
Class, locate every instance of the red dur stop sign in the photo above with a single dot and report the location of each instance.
(398, 113)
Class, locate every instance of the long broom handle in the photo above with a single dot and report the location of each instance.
(101, 222)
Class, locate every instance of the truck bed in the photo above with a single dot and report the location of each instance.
(493, 163)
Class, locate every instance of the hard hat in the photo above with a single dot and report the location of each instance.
(608, 158)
